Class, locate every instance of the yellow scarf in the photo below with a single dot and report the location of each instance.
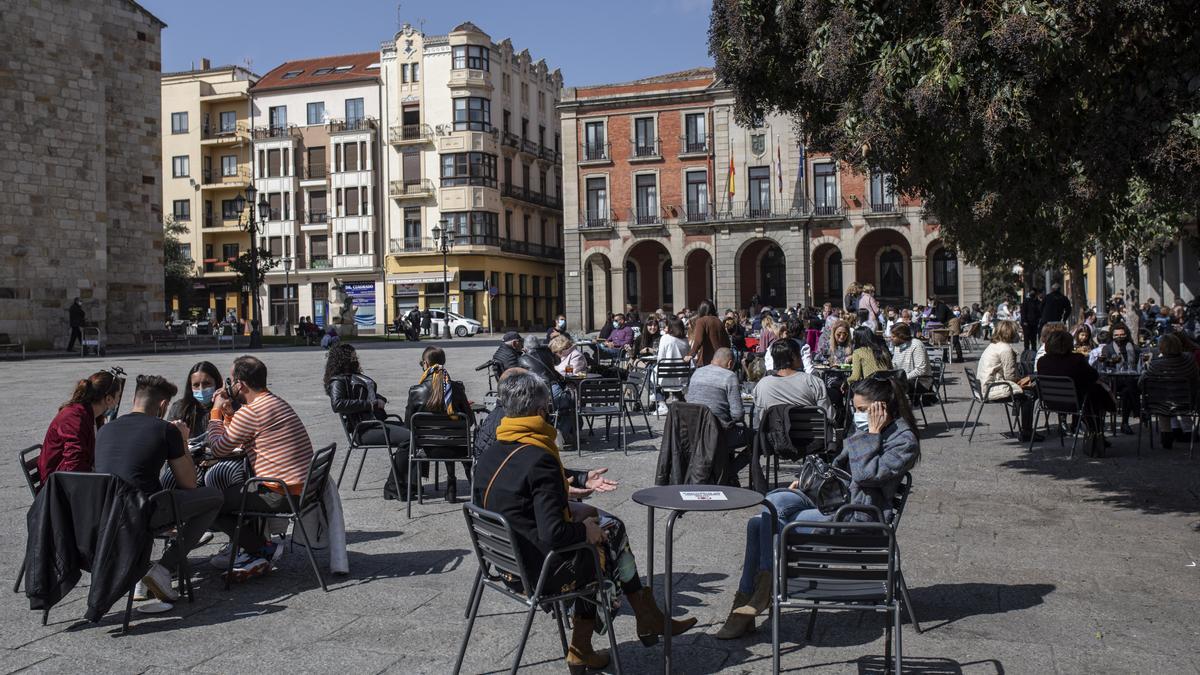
(536, 431)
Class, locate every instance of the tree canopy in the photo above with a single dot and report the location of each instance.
(1032, 129)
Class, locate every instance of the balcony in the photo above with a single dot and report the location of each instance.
(276, 132)
(881, 208)
(527, 248)
(218, 135)
(352, 125)
(827, 209)
(316, 263)
(510, 140)
(429, 244)
(645, 151)
(410, 134)
(410, 190)
(648, 218)
(315, 172)
(530, 147)
(596, 153)
(211, 180)
(551, 155)
(759, 210)
(693, 146)
(596, 221)
(475, 181)
(316, 217)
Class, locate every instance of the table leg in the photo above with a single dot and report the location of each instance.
(650, 549)
(667, 591)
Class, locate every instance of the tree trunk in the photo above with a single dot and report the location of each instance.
(1078, 289)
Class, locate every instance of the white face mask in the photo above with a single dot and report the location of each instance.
(861, 420)
(616, 325)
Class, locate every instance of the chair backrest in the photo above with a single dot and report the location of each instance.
(900, 499)
(806, 424)
(673, 373)
(1167, 395)
(973, 383)
(606, 391)
(853, 553)
(636, 379)
(347, 427)
(431, 430)
(28, 459)
(318, 475)
(495, 545)
(1057, 394)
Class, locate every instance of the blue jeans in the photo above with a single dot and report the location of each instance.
(564, 403)
(790, 506)
(611, 352)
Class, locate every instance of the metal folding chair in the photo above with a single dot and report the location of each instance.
(28, 461)
(600, 398)
(636, 383)
(353, 442)
(1167, 397)
(805, 425)
(981, 398)
(451, 437)
(671, 376)
(1057, 394)
(312, 496)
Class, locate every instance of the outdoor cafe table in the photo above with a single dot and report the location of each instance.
(680, 499)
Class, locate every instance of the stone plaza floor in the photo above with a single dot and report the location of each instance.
(1018, 561)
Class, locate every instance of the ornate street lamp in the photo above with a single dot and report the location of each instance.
(442, 241)
(264, 209)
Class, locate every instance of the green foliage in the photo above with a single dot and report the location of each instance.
(1033, 129)
(244, 268)
(999, 284)
(178, 268)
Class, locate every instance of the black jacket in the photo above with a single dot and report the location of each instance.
(1056, 307)
(541, 362)
(529, 492)
(86, 521)
(774, 436)
(941, 313)
(75, 314)
(354, 396)
(485, 434)
(418, 394)
(505, 358)
(693, 450)
(1031, 312)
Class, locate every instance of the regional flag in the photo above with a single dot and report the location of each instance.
(732, 177)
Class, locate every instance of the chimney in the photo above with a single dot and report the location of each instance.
(205, 64)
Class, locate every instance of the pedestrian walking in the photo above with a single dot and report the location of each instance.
(426, 321)
(75, 317)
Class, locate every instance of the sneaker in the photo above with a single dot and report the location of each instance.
(158, 581)
(140, 592)
(205, 538)
(661, 410)
(221, 559)
(253, 567)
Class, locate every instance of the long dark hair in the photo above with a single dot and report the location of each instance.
(93, 389)
(189, 407)
(863, 336)
(887, 390)
(342, 359)
(706, 308)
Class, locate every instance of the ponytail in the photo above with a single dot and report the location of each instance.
(92, 389)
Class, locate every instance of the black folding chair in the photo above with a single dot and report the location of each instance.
(937, 385)
(671, 376)
(981, 397)
(634, 388)
(311, 496)
(805, 426)
(354, 442)
(899, 501)
(600, 398)
(1057, 394)
(500, 565)
(449, 438)
(1167, 397)
(841, 566)
(28, 461)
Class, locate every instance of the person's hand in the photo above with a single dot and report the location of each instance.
(595, 535)
(598, 483)
(378, 404)
(577, 494)
(795, 485)
(184, 431)
(221, 401)
(877, 417)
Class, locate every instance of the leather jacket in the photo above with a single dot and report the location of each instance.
(418, 394)
(541, 362)
(354, 396)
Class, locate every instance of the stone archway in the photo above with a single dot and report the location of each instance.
(698, 275)
(597, 293)
(762, 273)
(883, 258)
(649, 284)
(827, 274)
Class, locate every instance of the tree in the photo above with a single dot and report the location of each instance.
(243, 266)
(179, 269)
(1034, 130)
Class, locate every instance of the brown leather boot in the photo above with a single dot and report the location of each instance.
(580, 655)
(650, 620)
(760, 599)
(736, 625)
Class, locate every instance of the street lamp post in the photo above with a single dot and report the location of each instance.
(264, 208)
(287, 295)
(443, 242)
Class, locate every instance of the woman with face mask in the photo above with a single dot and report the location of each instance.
(70, 441)
(559, 328)
(882, 448)
(194, 407)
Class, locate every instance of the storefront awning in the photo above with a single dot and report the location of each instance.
(420, 278)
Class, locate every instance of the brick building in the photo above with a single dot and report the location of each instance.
(669, 201)
(79, 150)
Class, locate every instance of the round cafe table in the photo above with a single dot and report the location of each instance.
(680, 499)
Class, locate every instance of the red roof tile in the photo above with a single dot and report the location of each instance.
(308, 68)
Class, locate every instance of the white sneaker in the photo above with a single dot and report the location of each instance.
(140, 592)
(221, 559)
(205, 538)
(158, 581)
(661, 410)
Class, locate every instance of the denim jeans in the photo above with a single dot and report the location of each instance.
(564, 403)
(790, 506)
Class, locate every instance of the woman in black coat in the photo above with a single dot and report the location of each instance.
(354, 395)
(1060, 360)
(429, 395)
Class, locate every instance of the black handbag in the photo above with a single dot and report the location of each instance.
(826, 485)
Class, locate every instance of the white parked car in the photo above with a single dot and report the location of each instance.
(461, 325)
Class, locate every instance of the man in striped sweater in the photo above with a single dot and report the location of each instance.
(274, 439)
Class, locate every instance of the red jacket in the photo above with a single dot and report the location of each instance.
(70, 443)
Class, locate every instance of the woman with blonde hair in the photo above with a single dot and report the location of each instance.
(868, 307)
(834, 345)
(998, 364)
(437, 393)
(569, 356)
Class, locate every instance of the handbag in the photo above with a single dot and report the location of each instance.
(826, 485)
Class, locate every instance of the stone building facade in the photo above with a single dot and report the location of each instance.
(668, 201)
(79, 150)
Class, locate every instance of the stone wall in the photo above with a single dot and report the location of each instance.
(79, 148)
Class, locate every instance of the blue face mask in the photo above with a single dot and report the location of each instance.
(562, 323)
(861, 420)
(616, 325)
(204, 396)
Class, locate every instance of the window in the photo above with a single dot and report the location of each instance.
(647, 198)
(228, 122)
(275, 246)
(507, 121)
(351, 201)
(274, 163)
(643, 137)
(275, 199)
(277, 116)
(319, 248)
(825, 195)
(354, 110)
(541, 136)
(342, 69)
(353, 243)
(322, 71)
(229, 210)
(316, 112)
(631, 283)
(412, 229)
(404, 72)
(229, 252)
(185, 250)
(290, 74)
(508, 297)
(179, 123)
(524, 93)
(315, 162)
(182, 210)
(351, 156)
(695, 136)
(316, 207)
(508, 177)
(542, 182)
(506, 83)
(760, 191)
(597, 202)
(882, 199)
(180, 167)
(891, 273)
(667, 282)
(833, 274)
(472, 57)
(469, 168)
(594, 146)
(541, 102)
(697, 195)
(472, 114)
(474, 227)
(945, 272)
(229, 165)
(416, 72)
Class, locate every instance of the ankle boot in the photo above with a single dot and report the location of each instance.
(580, 655)
(737, 625)
(760, 599)
(650, 620)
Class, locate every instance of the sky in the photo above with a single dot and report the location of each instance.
(591, 42)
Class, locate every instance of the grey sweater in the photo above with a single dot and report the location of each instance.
(797, 389)
(717, 389)
(877, 463)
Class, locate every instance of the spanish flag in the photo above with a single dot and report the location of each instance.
(732, 182)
